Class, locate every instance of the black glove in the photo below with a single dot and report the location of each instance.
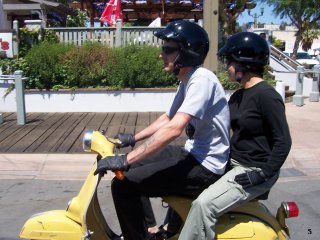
(126, 140)
(250, 179)
(117, 162)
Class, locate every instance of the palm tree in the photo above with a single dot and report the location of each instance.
(304, 14)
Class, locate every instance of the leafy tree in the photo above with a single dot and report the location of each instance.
(277, 43)
(304, 14)
(78, 20)
(230, 11)
(87, 5)
(308, 37)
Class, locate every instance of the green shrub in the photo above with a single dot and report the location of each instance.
(27, 39)
(55, 66)
(94, 65)
(50, 36)
(85, 66)
(224, 78)
(44, 69)
(9, 66)
(79, 20)
(138, 67)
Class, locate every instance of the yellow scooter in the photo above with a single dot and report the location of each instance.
(83, 219)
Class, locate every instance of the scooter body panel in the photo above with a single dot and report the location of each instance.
(251, 221)
(228, 227)
(83, 218)
(240, 226)
(53, 225)
(78, 206)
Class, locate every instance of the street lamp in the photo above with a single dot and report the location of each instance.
(255, 16)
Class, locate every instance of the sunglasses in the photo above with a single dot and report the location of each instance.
(168, 50)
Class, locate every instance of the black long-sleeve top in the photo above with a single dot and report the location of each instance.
(261, 136)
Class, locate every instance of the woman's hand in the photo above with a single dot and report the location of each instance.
(250, 179)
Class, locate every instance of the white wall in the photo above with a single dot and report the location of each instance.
(289, 37)
(290, 79)
(91, 101)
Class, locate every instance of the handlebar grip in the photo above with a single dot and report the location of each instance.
(119, 175)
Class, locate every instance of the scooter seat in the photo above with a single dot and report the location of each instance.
(263, 196)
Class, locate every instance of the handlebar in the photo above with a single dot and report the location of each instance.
(94, 141)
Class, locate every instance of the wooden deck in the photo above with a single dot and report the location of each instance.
(63, 132)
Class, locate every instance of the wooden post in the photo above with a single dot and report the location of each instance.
(15, 38)
(118, 33)
(211, 25)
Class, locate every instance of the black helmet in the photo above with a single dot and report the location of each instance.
(191, 38)
(247, 48)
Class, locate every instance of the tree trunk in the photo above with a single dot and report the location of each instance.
(296, 43)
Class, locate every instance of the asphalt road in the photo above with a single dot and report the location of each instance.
(19, 199)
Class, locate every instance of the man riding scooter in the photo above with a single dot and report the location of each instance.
(156, 169)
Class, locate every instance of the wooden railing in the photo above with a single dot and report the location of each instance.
(108, 36)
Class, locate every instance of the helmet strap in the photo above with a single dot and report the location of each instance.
(239, 76)
(240, 71)
(177, 65)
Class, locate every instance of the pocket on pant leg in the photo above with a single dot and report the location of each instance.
(230, 198)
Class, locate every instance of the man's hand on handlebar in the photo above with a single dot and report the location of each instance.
(113, 163)
(125, 140)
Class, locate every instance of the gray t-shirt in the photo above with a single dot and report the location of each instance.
(203, 97)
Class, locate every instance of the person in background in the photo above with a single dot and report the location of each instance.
(260, 141)
(264, 36)
(155, 168)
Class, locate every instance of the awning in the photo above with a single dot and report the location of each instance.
(38, 5)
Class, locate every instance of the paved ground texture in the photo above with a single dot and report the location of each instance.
(303, 160)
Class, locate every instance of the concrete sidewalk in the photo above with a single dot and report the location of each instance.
(304, 123)
(303, 160)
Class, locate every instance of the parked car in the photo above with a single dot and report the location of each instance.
(306, 60)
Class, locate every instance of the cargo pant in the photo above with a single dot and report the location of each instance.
(217, 199)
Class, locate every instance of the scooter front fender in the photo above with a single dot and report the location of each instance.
(53, 225)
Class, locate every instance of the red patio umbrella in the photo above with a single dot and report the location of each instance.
(112, 13)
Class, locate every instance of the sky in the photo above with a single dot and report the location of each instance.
(267, 17)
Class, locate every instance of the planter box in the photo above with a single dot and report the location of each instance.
(139, 100)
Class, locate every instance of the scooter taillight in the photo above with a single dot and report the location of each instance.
(291, 209)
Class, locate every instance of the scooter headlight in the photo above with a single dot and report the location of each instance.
(87, 140)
